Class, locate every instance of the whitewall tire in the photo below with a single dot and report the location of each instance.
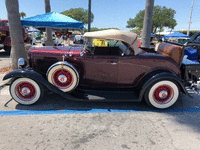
(63, 77)
(25, 91)
(162, 94)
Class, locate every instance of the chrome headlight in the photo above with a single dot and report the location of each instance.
(21, 63)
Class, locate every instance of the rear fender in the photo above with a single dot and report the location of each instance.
(162, 76)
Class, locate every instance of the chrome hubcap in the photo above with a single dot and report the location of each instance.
(62, 78)
(26, 91)
(163, 94)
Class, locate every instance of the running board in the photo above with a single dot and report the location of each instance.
(89, 95)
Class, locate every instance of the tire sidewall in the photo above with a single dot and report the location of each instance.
(149, 93)
(71, 71)
(38, 88)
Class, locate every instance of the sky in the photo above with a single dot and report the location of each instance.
(113, 13)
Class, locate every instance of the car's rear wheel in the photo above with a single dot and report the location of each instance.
(63, 77)
(162, 94)
(26, 91)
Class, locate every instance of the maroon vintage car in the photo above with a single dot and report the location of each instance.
(112, 66)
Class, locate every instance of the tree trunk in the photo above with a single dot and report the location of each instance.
(146, 32)
(155, 30)
(17, 42)
(49, 41)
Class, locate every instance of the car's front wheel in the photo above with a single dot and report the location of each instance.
(26, 91)
(162, 94)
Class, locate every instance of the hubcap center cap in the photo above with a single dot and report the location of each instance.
(163, 94)
(62, 78)
(26, 91)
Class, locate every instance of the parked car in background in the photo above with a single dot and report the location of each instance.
(54, 38)
(194, 41)
(78, 39)
(76, 72)
(5, 39)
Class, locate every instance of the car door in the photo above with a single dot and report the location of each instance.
(131, 69)
(101, 69)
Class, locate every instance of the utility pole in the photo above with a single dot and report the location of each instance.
(89, 15)
(147, 25)
(188, 31)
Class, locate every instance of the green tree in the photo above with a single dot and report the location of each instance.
(22, 14)
(162, 17)
(79, 14)
(17, 49)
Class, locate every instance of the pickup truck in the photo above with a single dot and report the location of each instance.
(5, 39)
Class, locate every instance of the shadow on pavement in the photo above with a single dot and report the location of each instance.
(4, 54)
(56, 102)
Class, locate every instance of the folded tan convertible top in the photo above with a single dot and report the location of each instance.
(113, 34)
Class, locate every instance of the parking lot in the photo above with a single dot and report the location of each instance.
(57, 123)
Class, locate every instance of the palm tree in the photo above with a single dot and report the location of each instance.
(146, 33)
(49, 41)
(17, 43)
(22, 14)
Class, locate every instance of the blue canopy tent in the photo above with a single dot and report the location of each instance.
(52, 20)
(176, 35)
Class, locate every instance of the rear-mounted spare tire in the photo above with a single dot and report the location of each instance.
(64, 77)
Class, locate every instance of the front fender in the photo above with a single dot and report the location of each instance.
(27, 73)
(23, 73)
(162, 76)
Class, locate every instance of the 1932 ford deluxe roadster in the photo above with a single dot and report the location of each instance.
(114, 65)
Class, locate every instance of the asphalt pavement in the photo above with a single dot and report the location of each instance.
(56, 123)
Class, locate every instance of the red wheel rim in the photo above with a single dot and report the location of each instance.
(62, 78)
(25, 91)
(163, 94)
